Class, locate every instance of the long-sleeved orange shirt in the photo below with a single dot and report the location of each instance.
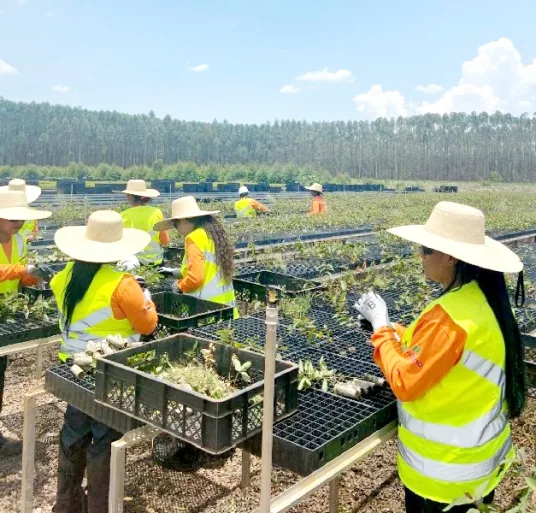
(436, 347)
(318, 206)
(259, 207)
(17, 272)
(195, 275)
(164, 238)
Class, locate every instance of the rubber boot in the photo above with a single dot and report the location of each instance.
(98, 482)
(70, 497)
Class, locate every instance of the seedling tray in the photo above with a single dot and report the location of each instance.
(255, 285)
(180, 311)
(19, 329)
(80, 393)
(212, 425)
(530, 362)
(325, 426)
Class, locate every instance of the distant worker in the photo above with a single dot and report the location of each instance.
(248, 207)
(14, 271)
(207, 267)
(143, 216)
(94, 300)
(29, 229)
(319, 203)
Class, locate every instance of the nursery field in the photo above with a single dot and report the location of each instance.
(320, 265)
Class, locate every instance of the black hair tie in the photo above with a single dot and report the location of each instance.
(520, 290)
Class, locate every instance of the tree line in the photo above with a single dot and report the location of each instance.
(451, 147)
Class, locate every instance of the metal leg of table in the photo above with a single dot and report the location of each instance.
(334, 495)
(246, 469)
(28, 449)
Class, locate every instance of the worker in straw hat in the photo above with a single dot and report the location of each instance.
(319, 203)
(14, 270)
(248, 207)
(457, 371)
(142, 216)
(30, 228)
(95, 300)
(207, 268)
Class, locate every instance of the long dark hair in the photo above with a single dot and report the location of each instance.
(493, 285)
(82, 274)
(222, 243)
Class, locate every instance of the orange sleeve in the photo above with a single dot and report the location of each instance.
(259, 206)
(196, 268)
(436, 346)
(164, 238)
(12, 272)
(35, 228)
(128, 302)
(315, 208)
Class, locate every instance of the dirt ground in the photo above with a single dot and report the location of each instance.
(371, 486)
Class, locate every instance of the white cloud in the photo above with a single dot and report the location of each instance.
(49, 15)
(61, 88)
(429, 89)
(200, 68)
(7, 69)
(342, 75)
(289, 89)
(379, 103)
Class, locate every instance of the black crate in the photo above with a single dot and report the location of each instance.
(255, 285)
(80, 393)
(324, 427)
(173, 253)
(180, 311)
(19, 329)
(212, 425)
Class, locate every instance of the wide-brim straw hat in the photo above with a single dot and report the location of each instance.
(316, 187)
(32, 191)
(139, 188)
(459, 231)
(183, 208)
(103, 239)
(14, 207)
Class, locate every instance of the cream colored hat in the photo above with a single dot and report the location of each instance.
(183, 208)
(14, 207)
(138, 188)
(459, 231)
(32, 191)
(315, 187)
(103, 239)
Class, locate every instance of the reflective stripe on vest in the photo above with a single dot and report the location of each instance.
(18, 256)
(244, 208)
(144, 218)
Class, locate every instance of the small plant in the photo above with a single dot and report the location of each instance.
(309, 375)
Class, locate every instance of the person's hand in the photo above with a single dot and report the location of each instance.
(129, 264)
(147, 295)
(374, 309)
(170, 271)
(42, 272)
(175, 288)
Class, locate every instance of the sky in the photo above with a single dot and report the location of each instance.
(252, 61)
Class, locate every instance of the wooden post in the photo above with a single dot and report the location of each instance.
(334, 495)
(117, 476)
(246, 469)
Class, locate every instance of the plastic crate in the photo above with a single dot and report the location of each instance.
(19, 329)
(325, 426)
(255, 285)
(80, 393)
(212, 425)
(180, 311)
(173, 253)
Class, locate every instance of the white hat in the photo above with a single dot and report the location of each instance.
(183, 208)
(138, 188)
(459, 231)
(32, 191)
(316, 187)
(243, 190)
(14, 207)
(103, 239)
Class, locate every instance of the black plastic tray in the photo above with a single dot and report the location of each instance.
(530, 362)
(21, 330)
(212, 425)
(196, 312)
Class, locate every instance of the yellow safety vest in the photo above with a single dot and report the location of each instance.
(144, 218)
(244, 208)
(455, 438)
(214, 288)
(27, 228)
(93, 317)
(18, 256)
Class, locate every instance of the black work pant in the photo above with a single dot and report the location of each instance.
(417, 504)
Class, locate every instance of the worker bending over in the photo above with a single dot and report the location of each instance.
(95, 300)
(457, 371)
(319, 203)
(14, 271)
(248, 207)
(30, 229)
(143, 216)
(207, 267)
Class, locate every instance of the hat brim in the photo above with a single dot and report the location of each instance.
(167, 224)
(23, 214)
(72, 241)
(32, 192)
(491, 255)
(314, 189)
(147, 193)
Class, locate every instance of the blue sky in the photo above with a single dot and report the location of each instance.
(357, 59)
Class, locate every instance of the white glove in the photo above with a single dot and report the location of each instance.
(175, 288)
(129, 263)
(147, 294)
(170, 271)
(373, 308)
(30, 269)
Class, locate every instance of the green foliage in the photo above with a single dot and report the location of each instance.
(308, 374)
